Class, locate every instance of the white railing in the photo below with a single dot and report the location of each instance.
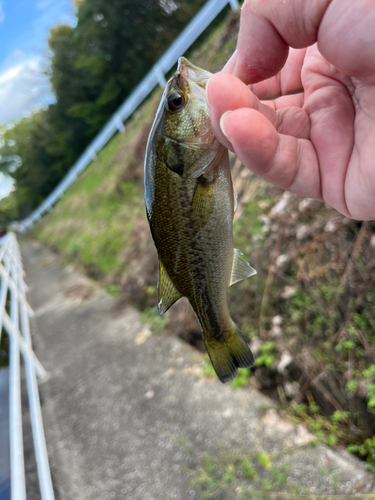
(154, 77)
(14, 321)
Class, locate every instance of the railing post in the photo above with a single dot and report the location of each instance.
(119, 124)
(160, 76)
(16, 325)
(234, 4)
(41, 455)
(17, 466)
(92, 155)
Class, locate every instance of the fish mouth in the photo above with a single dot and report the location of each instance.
(197, 79)
(191, 72)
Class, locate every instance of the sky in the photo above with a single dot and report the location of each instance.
(24, 85)
(24, 27)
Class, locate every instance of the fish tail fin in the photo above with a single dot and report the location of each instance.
(228, 352)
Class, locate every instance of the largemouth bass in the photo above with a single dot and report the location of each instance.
(190, 204)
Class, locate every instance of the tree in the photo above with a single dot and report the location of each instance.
(94, 66)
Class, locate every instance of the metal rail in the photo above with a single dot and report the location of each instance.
(116, 123)
(14, 321)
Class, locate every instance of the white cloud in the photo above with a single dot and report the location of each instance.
(23, 86)
(43, 4)
(52, 12)
(2, 16)
(6, 185)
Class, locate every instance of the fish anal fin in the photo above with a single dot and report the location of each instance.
(228, 352)
(167, 292)
(240, 268)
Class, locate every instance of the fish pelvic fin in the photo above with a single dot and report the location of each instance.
(167, 292)
(228, 352)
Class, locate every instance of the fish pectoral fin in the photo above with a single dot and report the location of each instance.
(187, 160)
(202, 203)
(167, 292)
(240, 268)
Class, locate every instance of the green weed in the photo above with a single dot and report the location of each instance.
(266, 355)
(244, 477)
(242, 378)
(113, 290)
(365, 450)
(156, 323)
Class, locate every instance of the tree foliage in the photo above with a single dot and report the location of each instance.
(94, 66)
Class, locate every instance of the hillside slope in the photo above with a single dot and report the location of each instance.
(310, 310)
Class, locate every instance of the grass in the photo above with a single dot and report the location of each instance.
(328, 320)
(154, 321)
(327, 325)
(97, 217)
(260, 475)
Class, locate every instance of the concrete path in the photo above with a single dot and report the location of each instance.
(129, 416)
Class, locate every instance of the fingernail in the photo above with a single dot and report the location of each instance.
(207, 100)
(231, 64)
(222, 124)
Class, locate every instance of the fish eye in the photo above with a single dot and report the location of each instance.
(176, 101)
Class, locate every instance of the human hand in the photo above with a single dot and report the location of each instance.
(317, 137)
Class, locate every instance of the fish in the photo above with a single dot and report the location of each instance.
(190, 202)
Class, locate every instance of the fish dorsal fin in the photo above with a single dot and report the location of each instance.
(240, 268)
(167, 292)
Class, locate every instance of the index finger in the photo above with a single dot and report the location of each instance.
(344, 30)
(268, 29)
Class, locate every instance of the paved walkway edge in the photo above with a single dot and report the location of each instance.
(128, 415)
